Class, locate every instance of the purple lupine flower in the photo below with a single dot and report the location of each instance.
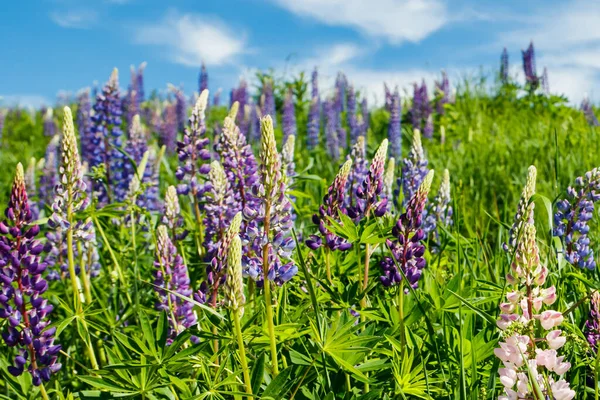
(394, 127)
(408, 249)
(275, 215)
(504, 67)
(351, 114)
(171, 216)
(338, 107)
(218, 197)
(359, 171)
(193, 151)
(315, 84)
(417, 107)
(443, 92)
(314, 123)
(48, 179)
(49, 124)
(544, 81)
(203, 79)
(370, 192)
(363, 123)
(136, 147)
(151, 200)
(524, 213)
(288, 118)
(341, 84)
(421, 110)
(572, 217)
(334, 202)
(439, 212)
(171, 274)
(31, 187)
(240, 94)
(180, 109)
(131, 106)
(168, 131)
(21, 301)
(217, 98)
(592, 325)
(106, 142)
(414, 168)
(268, 100)
(529, 69)
(588, 111)
(84, 124)
(388, 96)
(331, 134)
(139, 87)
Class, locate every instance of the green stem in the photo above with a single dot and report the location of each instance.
(267, 288)
(242, 350)
(401, 317)
(43, 392)
(71, 261)
(328, 265)
(136, 271)
(85, 278)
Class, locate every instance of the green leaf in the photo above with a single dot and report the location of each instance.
(257, 373)
(279, 386)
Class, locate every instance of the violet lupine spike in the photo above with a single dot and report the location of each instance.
(414, 168)
(106, 142)
(180, 109)
(135, 148)
(351, 114)
(369, 193)
(341, 84)
(193, 151)
(529, 69)
(388, 181)
(234, 284)
(218, 197)
(168, 132)
(315, 84)
(334, 202)
(388, 96)
(131, 106)
(240, 94)
(84, 124)
(172, 215)
(271, 191)
(49, 124)
(203, 79)
(358, 173)
(363, 121)
(592, 325)
(426, 112)
(314, 123)
(588, 112)
(331, 134)
(416, 109)
(217, 98)
(171, 274)
(288, 118)
(394, 127)
(443, 93)
(439, 212)
(49, 174)
(268, 96)
(141, 95)
(525, 211)
(571, 220)
(407, 248)
(22, 287)
(504, 66)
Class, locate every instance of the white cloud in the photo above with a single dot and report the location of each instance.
(396, 20)
(32, 101)
(77, 19)
(190, 39)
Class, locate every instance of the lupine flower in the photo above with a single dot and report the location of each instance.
(106, 141)
(171, 276)
(572, 217)
(139, 87)
(203, 79)
(388, 179)
(268, 100)
(49, 124)
(369, 194)
(180, 109)
(287, 160)
(363, 118)
(341, 84)
(331, 134)
(314, 123)
(524, 211)
(388, 97)
(30, 185)
(84, 125)
(351, 114)
(192, 150)
(414, 168)
(218, 198)
(240, 95)
(217, 98)
(168, 131)
(394, 127)
(131, 105)
(136, 148)
(421, 110)
(234, 285)
(49, 173)
(289, 116)
(21, 301)
(522, 358)
(529, 69)
(504, 66)
(592, 325)
(333, 204)
(172, 215)
(588, 111)
(275, 215)
(314, 80)
(150, 199)
(408, 249)
(443, 89)
(439, 212)
(338, 107)
(360, 169)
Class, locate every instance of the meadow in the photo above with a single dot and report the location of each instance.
(437, 246)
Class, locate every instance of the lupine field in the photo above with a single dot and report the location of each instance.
(290, 241)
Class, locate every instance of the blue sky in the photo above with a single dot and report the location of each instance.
(53, 45)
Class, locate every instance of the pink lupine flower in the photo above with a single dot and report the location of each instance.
(554, 340)
(550, 318)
